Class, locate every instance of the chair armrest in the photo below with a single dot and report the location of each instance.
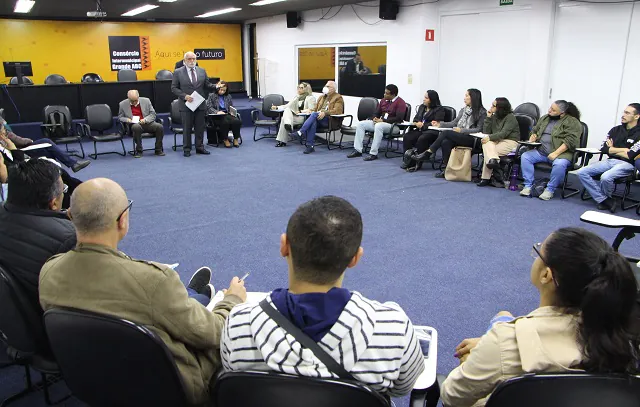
(418, 398)
(123, 128)
(160, 120)
(254, 115)
(83, 129)
(350, 116)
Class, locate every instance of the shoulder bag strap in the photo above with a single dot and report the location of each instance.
(307, 342)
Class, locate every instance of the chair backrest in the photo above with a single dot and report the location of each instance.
(54, 79)
(91, 77)
(25, 81)
(270, 100)
(526, 123)
(175, 116)
(51, 115)
(108, 361)
(585, 135)
(164, 74)
(407, 113)
(98, 117)
(367, 108)
(270, 389)
(530, 109)
(564, 390)
(382, 69)
(449, 113)
(127, 75)
(21, 325)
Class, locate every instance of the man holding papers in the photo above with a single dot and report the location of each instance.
(139, 113)
(188, 85)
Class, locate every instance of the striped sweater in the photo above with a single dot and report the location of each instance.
(374, 342)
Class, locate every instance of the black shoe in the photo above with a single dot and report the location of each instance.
(424, 156)
(294, 135)
(187, 153)
(209, 291)
(137, 154)
(484, 182)
(202, 151)
(439, 174)
(80, 165)
(160, 153)
(354, 154)
(309, 150)
(613, 206)
(609, 204)
(288, 128)
(404, 166)
(371, 157)
(493, 164)
(200, 279)
(281, 144)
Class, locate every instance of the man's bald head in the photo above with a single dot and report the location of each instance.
(189, 59)
(332, 86)
(95, 205)
(133, 96)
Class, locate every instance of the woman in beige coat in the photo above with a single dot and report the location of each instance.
(584, 322)
(304, 101)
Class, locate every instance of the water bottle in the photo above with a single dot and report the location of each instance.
(513, 180)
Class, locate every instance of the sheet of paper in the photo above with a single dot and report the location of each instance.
(252, 297)
(51, 160)
(36, 147)
(436, 128)
(406, 123)
(197, 101)
(233, 111)
(479, 135)
(7, 153)
(135, 119)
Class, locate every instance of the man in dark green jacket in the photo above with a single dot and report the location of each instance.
(558, 133)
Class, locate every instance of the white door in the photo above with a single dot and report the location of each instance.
(589, 46)
(483, 51)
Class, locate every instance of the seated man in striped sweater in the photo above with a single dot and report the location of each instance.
(373, 342)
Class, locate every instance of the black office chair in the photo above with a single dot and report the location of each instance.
(23, 333)
(54, 79)
(526, 123)
(449, 113)
(109, 361)
(25, 81)
(212, 126)
(393, 136)
(164, 74)
(567, 390)
(126, 131)
(367, 108)
(175, 123)
(127, 75)
(530, 109)
(99, 119)
(382, 69)
(91, 77)
(59, 127)
(267, 102)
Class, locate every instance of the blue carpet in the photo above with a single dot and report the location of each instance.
(450, 254)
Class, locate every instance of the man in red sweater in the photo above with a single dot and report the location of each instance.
(391, 110)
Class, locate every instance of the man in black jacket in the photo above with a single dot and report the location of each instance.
(32, 226)
(621, 145)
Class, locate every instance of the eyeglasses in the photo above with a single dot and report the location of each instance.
(65, 188)
(125, 209)
(535, 252)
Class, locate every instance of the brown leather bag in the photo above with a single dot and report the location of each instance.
(459, 165)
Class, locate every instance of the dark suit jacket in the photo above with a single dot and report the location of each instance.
(352, 68)
(181, 86)
(436, 114)
(180, 64)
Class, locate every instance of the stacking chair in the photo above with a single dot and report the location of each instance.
(212, 126)
(108, 361)
(393, 136)
(23, 333)
(175, 123)
(126, 131)
(58, 126)
(164, 74)
(366, 109)
(567, 390)
(529, 109)
(127, 75)
(272, 116)
(624, 195)
(25, 81)
(99, 119)
(54, 79)
(526, 123)
(91, 77)
(329, 132)
(449, 113)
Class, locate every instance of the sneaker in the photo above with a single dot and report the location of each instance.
(526, 191)
(354, 154)
(200, 279)
(80, 165)
(209, 291)
(546, 195)
(137, 154)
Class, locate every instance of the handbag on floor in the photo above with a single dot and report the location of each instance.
(459, 165)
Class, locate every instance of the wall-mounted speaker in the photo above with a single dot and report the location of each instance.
(388, 9)
(293, 19)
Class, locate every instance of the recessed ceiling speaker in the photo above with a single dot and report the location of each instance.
(388, 9)
(293, 19)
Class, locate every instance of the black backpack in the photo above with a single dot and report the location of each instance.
(62, 125)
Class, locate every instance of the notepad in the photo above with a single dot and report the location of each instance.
(135, 119)
(233, 111)
(436, 128)
(252, 297)
(36, 147)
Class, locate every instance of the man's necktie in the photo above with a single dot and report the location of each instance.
(193, 76)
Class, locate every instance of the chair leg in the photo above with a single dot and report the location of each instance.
(95, 151)
(625, 198)
(573, 192)
(81, 149)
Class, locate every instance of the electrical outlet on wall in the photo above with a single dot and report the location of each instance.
(410, 79)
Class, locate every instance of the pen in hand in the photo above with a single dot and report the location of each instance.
(244, 277)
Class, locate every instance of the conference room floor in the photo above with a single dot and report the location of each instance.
(451, 254)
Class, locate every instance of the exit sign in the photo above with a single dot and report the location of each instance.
(506, 2)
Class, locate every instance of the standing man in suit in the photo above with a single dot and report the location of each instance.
(186, 80)
(140, 113)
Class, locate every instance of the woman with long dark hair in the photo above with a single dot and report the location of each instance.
(219, 103)
(558, 133)
(585, 321)
(420, 138)
(502, 135)
(469, 120)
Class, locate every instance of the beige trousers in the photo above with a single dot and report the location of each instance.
(288, 118)
(494, 149)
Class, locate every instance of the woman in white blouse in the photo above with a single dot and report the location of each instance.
(304, 101)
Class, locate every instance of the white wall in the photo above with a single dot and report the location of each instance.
(488, 41)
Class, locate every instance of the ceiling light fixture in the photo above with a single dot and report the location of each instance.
(23, 6)
(265, 2)
(167, 1)
(139, 10)
(218, 12)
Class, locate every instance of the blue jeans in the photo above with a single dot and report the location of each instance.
(311, 124)
(558, 169)
(201, 298)
(54, 152)
(608, 170)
